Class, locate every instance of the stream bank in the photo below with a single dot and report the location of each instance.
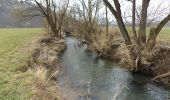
(45, 65)
(158, 60)
(87, 76)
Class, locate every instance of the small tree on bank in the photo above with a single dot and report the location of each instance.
(140, 36)
(54, 12)
(87, 12)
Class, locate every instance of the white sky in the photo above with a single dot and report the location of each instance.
(163, 10)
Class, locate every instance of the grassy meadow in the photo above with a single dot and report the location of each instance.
(164, 35)
(14, 80)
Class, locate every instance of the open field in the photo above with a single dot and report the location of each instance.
(164, 35)
(14, 80)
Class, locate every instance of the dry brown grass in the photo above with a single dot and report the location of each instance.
(103, 41)
(43, 87)
(44, 66)
(124, 55)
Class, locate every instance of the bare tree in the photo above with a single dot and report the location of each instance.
(53, 11)
(150, 43)
(155, 31)
(142, 26)
(154, 12)
(88, 11)
(118, 16)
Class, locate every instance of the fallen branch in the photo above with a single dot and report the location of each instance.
(161, 76)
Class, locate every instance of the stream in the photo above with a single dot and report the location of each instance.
(87, 77)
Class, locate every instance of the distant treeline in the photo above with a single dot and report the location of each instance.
(8, 18)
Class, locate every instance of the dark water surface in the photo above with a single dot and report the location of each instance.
(88, 78)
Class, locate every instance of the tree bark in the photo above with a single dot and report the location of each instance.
(142, 26)
(107, 21)
(133, 20)
(118, 16)
(155, 31)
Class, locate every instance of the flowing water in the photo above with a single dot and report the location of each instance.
(86, 77)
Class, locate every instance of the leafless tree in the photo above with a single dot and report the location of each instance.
(53, 11)
(118, 16)
(88, 11)
(154, 12)
(150, 43)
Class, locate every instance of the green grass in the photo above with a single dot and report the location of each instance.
(14, 83)
(164, 35)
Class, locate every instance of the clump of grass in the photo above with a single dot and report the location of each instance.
(103, 42)
(46, 53)
(43, 87)
(124, 55)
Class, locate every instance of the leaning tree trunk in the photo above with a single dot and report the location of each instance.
(137, 52)
(151, 42)
(117, 14)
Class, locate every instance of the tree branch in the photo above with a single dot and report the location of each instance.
(118, 16)
(110, 7)
(155, 31)
(161, 24)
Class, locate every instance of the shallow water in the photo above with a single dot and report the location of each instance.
(88, 78)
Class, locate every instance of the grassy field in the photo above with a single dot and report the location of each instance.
(14, 81)
(164, 35)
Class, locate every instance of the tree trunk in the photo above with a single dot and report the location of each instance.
(107, 21)
(118, 16)
(142, 26)
(133, 20)
(151, 42)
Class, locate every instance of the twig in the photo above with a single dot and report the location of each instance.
(161, 76)
(119, 90)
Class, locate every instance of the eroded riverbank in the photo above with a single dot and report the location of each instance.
(44, 63)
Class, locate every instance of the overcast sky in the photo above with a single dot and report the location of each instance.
(161, 7)
(163, 10)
